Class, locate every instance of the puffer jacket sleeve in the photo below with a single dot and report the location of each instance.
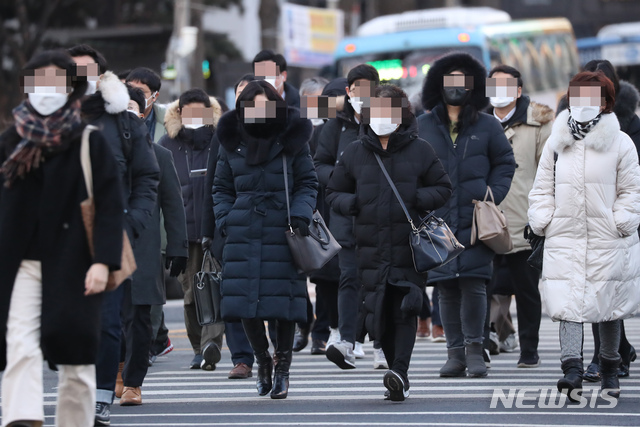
(626, 208)
(325, 157)
(208, 219)
(305, 185)
(503, 163)
(224, 193)
(342, 185)
(436, 186)
(542, 203)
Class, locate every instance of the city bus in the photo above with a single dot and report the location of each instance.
(402, 47)
(620, 44)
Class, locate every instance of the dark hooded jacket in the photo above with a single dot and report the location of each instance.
(259, 277)
(358, 187)
(481, 157)
(139, 170)
(627, 102)
(191, 149)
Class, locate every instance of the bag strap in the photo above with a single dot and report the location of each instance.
(395, 191)
(209, 260)
(85, 159)
(489, 193)
(286, 189)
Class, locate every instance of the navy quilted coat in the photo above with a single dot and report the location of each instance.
(259, 277)
(481, 157)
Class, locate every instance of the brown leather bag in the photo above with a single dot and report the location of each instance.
(489, 225)
(128, 262)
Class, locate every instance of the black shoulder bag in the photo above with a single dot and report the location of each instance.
(432, 242)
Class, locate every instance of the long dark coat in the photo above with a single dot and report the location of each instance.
(149, 286)
(259, 277)
(358, 186)
(481, 157)
(42, 212)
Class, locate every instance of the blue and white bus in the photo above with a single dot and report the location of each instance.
(402, 47)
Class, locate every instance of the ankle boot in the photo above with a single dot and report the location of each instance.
(265, 368)
(475, 360)
(456, 363)
(281, 378)
(573, 371)
(609, 383)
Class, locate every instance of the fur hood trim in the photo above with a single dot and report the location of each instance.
(293, 138)
(173, 120)
(114, 92)
(627, 100)
(600, 138)
(432, 88)
(539, 114)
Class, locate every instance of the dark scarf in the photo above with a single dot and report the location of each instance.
(580, 130)
(38, 133)
(259, 138)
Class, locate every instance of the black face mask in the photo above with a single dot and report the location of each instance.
(455, 96)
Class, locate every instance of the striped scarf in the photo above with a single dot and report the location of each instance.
(580, 130)
(38, 133)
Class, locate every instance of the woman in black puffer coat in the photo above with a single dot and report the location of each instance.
(392, 290)
(476, 155)
(260, 281)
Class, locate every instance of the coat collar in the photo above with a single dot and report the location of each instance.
(403, 136)
(599, 138)
(293, 139)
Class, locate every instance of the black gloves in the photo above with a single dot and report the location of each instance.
(178, 265)
(301, 224)
(206, 243)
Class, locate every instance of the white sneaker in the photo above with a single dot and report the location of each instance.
(509, 345)
(334, 337)
(379, 361)
(358, 351)
(341, 353)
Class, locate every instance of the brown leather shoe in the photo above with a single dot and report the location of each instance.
(25, 424)
(437, 334)
(240, 371)
(424, 328)
(131, 396)
(119, 382)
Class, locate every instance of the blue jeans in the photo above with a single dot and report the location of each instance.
(463, 307)
(241, 351)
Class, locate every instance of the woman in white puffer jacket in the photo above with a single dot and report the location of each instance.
(587, 205)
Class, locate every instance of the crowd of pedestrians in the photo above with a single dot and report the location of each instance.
(194, 177)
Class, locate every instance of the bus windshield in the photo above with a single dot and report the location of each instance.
(404, 69)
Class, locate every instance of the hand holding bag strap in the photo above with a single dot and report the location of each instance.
(395, 191)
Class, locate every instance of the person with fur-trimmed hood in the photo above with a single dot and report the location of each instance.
(106, 108)
(190, 122)
(527, 125)
(259, 278)
(476, 154)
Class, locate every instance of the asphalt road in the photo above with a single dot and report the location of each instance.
(322, 394)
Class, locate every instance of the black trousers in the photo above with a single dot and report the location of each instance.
(349, 296)
(399, 334)
(137, 332)
(257, 334)
(326, 309)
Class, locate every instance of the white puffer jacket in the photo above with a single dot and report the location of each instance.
(591, 267)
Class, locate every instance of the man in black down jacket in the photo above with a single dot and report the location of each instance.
(336, 135)
(107, 109)
(392, 290)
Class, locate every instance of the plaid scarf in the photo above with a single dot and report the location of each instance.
(579, 130)
(37, 133)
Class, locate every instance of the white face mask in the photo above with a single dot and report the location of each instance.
(382, 126)
(194, 125)
(584, 114)
(135, 113)
(271, 81)
(47, 103)
(501, 101)
(148, 104)
(92, 87)
(316, 122)
(356, 104)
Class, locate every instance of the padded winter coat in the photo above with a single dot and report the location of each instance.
(589, 217)
(358, 187)
(259, 277)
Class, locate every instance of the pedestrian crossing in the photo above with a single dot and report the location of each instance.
(322, 394)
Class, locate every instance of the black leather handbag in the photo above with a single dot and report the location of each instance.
(310, 252)
(432, 243)
(206, 290)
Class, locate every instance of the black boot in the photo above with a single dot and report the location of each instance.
(301, 338)
(265, 368)
(573, 371)
(609, 383)
(456, 365)
(475, 360)
(281, 376)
